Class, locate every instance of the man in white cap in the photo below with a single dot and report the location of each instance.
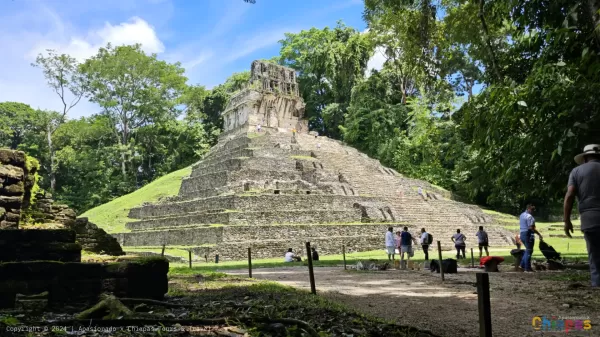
(584, 183)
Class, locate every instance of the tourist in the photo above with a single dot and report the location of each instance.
(584, 182)
(293, 132)
(315, 254)
(390, 244)
(527, 227)
(258, 128)
(406, 240)
(318, 146)
(420, 192)
(291, 257)
(459, 244)
(425, 243)
(398, 241)
(482, 239)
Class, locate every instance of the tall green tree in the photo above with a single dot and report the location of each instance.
(63, 76)
(17, 120)
(329, 63)
(540, 106)
(134, 90)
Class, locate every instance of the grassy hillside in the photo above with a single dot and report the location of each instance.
(112, 216)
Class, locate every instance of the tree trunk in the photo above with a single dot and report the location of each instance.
(125, 147)
(52, 172)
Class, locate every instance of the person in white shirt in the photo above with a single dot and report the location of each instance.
(459, 244)
(291, 257)
(390, 243)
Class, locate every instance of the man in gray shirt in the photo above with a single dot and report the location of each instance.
(584, 183)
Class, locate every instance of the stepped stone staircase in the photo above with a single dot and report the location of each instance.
(281, 186)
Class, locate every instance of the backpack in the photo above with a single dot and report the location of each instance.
(429, 239)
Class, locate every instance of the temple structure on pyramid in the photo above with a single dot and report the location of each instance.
(271, 184)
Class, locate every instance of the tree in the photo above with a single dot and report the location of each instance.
(329, 63)
(62, 75)
(16, 121)
(541, 104)
(134, 90)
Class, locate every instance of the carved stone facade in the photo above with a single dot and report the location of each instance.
(271, 99)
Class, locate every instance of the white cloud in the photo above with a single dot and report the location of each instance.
(33, 29)
(136, 30)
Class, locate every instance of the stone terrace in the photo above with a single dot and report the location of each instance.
(272, 190)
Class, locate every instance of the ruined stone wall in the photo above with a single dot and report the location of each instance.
(16, 182)
(89, 236)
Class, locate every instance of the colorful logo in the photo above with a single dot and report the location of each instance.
(561, 324)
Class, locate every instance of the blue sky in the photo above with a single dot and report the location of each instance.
(211, 38)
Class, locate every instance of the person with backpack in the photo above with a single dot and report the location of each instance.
(459, 244)
(482, 239)
(426, 240)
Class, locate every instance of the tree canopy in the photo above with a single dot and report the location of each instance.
(490, 99)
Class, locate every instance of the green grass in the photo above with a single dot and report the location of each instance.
(112, 216)
(569, 249)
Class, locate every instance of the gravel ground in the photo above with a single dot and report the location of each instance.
(420, 299)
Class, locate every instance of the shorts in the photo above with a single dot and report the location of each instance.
(405, 249)
(483, 244)
(390, 250)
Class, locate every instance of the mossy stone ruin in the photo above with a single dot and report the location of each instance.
(34, 261)
(277, 186)
(16, 182)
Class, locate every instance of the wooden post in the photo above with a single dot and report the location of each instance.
(440, 257)
(483, 300)
(206, 257)
(344, 255)
(472, 259)
(217, 258)
(311, 274)
(162, 253)
(567, 246)
(190, 257)
(249, 262)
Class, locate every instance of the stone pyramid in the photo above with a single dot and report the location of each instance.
(271, 184)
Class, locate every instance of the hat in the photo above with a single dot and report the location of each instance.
(588, 149)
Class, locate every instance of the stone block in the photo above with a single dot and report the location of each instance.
(11, 172)
(14, 189)
(8, 225)
(37, 236)
(10, 202)
(12, 217)
(12, 157)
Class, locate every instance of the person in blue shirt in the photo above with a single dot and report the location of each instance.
(527, 226)
(406, 240)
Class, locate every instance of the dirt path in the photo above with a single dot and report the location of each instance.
(420, 299)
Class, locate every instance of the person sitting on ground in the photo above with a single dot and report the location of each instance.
(406, 240)
(315, 254)
(291, 257)
(482, 239)
(459, 244)
(390, 243)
